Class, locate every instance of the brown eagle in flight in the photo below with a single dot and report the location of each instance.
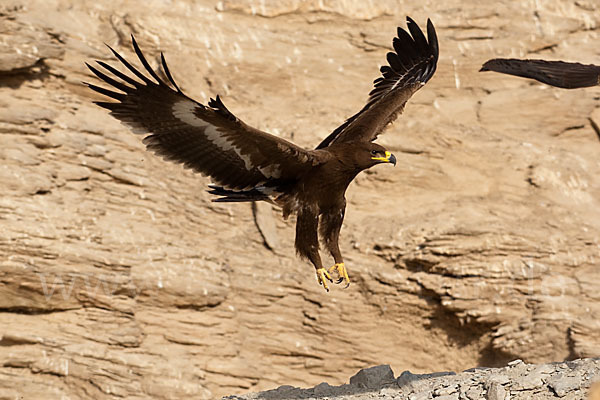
(247, 164)
(554, 73)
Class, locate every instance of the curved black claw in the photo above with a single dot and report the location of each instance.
(340, 268)
(322, 277)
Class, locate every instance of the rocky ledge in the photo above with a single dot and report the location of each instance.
(577, 379)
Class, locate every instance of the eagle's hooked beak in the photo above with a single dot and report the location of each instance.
(389, 158)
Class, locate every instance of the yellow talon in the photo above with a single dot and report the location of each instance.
(340, 268)
(321, 275)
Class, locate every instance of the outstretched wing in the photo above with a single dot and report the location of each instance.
(208, 139)
(555, 73)
(411, 65)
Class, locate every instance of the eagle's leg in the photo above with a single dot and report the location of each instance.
(329, 227)
(307, 242)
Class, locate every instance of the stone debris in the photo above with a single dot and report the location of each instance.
(562, 380)
(496, 391)
(373, 377)
(563, 384)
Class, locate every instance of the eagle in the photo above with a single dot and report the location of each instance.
(561, 74)
(247, 164)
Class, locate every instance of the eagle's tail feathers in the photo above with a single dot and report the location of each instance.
(229, 196)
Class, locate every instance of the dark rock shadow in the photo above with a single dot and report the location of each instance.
(15, 78)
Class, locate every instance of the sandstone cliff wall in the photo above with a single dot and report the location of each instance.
(119, 277)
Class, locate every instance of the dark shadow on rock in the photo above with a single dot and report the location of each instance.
(463, 334)
(495, 358)
(13, 79)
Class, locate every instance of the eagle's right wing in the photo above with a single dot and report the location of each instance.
(208, 139)
(554, 73)
(411, 65)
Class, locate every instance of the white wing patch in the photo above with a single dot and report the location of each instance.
(269, 191)
(184, 111)
(271, 171)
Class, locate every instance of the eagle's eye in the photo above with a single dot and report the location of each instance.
(374, 152)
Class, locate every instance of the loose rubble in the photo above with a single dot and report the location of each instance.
(567, 380)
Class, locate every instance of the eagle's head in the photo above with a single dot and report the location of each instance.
(373, 154)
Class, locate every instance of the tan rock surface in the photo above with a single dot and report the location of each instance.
(119, 277)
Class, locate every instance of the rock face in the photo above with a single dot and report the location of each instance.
(119, 277)
(568, 380)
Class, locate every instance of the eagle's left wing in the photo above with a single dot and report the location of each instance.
(208, 139)
(411, 65)
(554, 73)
